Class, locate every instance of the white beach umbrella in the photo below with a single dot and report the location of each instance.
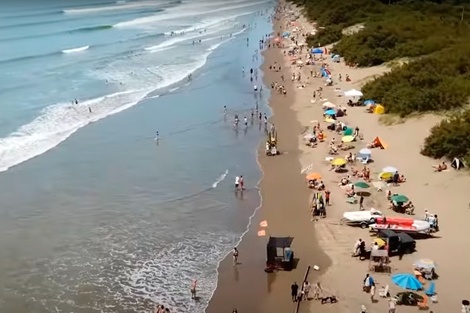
(389, 169)
(328, 105)
(365, 151)
(353, 93)
(309, 136)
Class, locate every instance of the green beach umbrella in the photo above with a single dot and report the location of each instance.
(361, 184)
(348, 131)
(400, 198)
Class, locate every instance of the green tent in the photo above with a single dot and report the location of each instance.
(348, 131)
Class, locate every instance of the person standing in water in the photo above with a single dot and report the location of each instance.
(193, 289)
(89, 110)
(157, 137)
(225, 110)
(235, 256)
(245, 120)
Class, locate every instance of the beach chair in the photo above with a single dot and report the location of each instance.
(351, 200)
(383, 292)
(424, 304)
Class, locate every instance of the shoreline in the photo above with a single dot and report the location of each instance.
(248, 281)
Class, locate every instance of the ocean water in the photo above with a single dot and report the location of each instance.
(95, 215)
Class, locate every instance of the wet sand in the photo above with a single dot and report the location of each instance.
(285, 200)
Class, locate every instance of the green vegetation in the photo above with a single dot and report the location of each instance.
(450, 138)
(433, 34)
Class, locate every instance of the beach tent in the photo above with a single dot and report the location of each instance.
(457, 164)
(379, 109)
(353, 93)
(378, 142)
(317, 51)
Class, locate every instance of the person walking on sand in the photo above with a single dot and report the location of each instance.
(361, 203)
(193, 288)
(372, 292)
(317, 291)
(327, 197)
(235, 256)
(391, 305)
(294, 288)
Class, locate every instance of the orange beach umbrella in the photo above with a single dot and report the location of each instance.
(313, 176)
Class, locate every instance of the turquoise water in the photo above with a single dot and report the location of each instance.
(95, 216)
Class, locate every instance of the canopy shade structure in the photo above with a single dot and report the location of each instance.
(353, 93)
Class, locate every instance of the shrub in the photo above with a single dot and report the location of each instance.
(450, 138)
(432, 83)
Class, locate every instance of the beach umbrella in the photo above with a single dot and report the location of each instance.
(389, 169)
(407, 281)
(361, 184)
(338, 162)
(330, 120)
(400, 198)
(309, 136)
(348, 131)
(431, 291)
(365, 151)
(347, 139)
(353, 93)
(330, 112)
(328, 105)
(385, 175)
(369, 102)
(313, 176)
(425, 263)
(317, 51)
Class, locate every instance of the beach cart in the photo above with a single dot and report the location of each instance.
(279, 255)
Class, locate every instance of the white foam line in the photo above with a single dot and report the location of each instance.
(58, 122)
(160, 17)
(121, 5)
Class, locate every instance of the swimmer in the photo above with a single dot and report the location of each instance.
(245, 120)
(157, 137)
(225, 110)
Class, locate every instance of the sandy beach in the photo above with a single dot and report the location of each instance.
(286, 200)
(442, 193)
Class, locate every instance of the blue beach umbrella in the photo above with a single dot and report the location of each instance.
(407, 281)
(317, 51)
(367, 102)
(330, 112)
(431, 291)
